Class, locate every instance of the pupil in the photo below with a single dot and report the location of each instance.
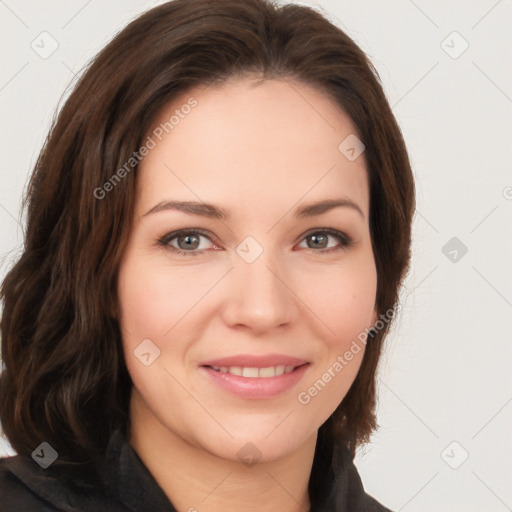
(316, 237)
(188, 238)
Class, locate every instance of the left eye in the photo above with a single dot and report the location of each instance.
(191, 241)
(189, 238)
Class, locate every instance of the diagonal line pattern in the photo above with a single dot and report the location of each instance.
(486, 14)
(14, 76)
(10, 215)
(407, 503)
(76, 14)
(493, 287)
(424, 14)
(491, 491)
(409, 408)
(426, 220)
(286, 491)
(416, 84)
(74, 74)
(492, 418)
(123, 328)
(7, 7)
(422, 281)
(279, 424)
(492, 81)
(492, 211)
(216, 487)
(198, 403)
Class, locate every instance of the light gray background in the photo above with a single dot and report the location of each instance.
(445, 375)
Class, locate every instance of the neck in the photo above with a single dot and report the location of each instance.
(195, 479)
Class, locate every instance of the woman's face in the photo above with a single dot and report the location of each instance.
(261, 286)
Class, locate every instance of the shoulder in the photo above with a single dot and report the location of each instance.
(350, 482)
(15, 495)
(24, 486)
(335, 483)
(372, 505)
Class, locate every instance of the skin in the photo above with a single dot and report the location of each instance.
(258, 151)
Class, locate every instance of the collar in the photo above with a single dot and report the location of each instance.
(127, 479)
(122, 483)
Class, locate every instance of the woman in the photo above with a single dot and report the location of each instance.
(218, 227)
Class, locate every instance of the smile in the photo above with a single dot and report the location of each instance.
(251, 382)
(271, 371)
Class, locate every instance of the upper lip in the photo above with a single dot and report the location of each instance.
(254, 361)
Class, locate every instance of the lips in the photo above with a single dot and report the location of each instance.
(254, 361)
(252, 373)
(255, 377)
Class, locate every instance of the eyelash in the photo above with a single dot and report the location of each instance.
(344, 240)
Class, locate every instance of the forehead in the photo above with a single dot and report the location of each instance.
(250, 142)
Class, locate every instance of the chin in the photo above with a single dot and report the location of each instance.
(249, 445)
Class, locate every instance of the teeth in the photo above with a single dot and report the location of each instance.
(250, 372)
(265, 372)
(271, 371)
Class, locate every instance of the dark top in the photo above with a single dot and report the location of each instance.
(125, 484)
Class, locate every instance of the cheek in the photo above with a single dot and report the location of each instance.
(343, 299)
(162, 304)
(153, 298)
(345, 305)
(140, 312)
(150, 304)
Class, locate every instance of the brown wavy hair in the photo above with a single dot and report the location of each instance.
(64, 379)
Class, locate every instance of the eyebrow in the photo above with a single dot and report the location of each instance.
(216, 212)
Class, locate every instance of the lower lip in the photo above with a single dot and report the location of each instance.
(256, 387)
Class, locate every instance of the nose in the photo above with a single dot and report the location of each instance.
(259, 295)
